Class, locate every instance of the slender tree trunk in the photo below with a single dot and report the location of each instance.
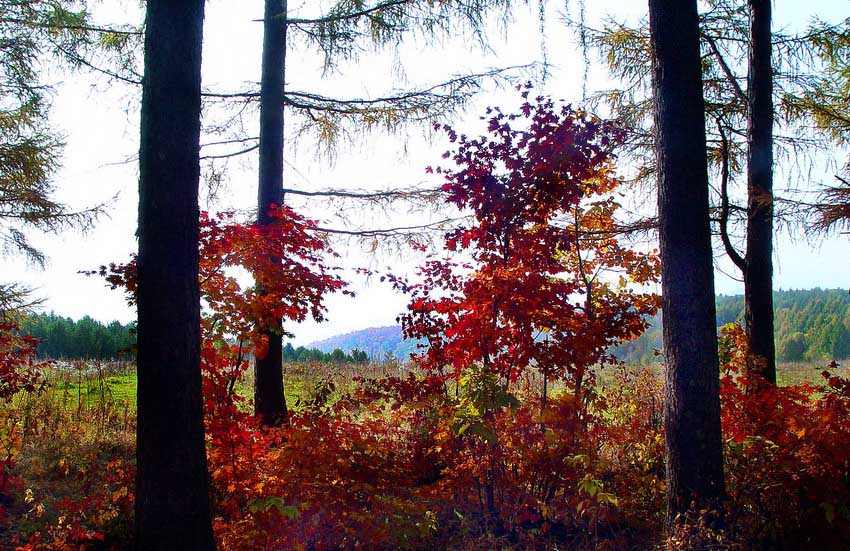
(269, 399)
(172, 500)
(691, 378)
(758, 276)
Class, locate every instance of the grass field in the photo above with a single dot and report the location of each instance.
(88, 384)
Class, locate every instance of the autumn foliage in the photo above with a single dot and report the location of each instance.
(466, 451)
(528, 285)
(19, 373)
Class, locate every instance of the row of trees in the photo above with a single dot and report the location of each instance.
(63, 338)
(811, 325)
(337, 355)
(86, 338)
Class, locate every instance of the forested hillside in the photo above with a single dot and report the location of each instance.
(810, 325)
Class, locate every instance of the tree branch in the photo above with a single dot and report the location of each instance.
(86, 63)
(388, 231)
(346, 16)
(84, 28)
(320, 102)
(367, 196)
(724, 202)
(233, 154)
(739, 92)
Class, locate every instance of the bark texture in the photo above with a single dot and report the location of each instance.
(758, 276)
(269, 399)
(691, 385)
(172, 510)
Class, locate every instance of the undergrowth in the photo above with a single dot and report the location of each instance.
(374, 459)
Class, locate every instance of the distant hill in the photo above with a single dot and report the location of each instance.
(375, 341)
(810, 325)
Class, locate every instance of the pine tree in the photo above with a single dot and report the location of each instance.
(694, 446)
(34, 34)
(172, 501)
(780, 71)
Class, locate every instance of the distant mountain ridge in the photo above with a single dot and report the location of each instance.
(375, 341)
(810, 325)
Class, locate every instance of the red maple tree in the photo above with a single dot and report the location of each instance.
(523, 285)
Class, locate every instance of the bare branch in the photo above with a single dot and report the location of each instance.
(387, 232)
(730, 77)
(367, 196)
(724, 202)
(230, 141)
(233, 154)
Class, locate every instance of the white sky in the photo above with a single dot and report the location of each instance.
(100, 123)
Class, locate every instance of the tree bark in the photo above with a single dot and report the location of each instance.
(691, 386)
(172, 500)
(269, 399)
(758, 276)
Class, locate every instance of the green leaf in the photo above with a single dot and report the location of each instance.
(263, 504)
(828, 511)
(605, 497)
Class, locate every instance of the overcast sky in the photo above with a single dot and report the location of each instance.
(100, 123)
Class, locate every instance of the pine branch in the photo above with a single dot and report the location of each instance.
(136, 80)
(308, 100)
(347, 16)
(82, 28)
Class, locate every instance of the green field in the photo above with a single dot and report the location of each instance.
(90, 386)
(93, 384)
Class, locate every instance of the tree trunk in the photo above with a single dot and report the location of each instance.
(691, 386)
(758, 277)
(172, 500)
(269, 399)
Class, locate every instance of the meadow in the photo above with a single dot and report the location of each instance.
(70, 452)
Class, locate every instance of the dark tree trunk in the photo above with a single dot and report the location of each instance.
(691, 379)
(758, 276)
(269, 400)
(172, 500)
